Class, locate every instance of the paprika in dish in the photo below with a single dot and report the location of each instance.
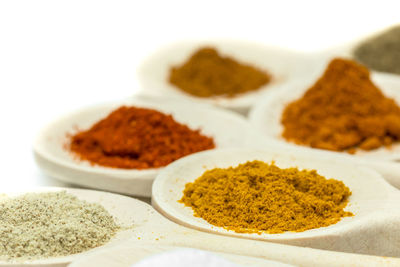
(137, 138)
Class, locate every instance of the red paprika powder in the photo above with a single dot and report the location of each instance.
(137, 138)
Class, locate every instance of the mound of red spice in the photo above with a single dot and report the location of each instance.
(137, 138)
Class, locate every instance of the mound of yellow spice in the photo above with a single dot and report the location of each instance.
(256, 196)
(343, 110)
(208, 74)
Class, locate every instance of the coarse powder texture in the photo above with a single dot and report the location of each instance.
(381, 52)
(208, 74)
(43, 225)
(137, 138)
(343, 110)
(256, 196)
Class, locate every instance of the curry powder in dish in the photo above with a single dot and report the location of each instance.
(257, 197)
(381, 52)
(343, 110)
(137, 138)
(53, 224)
(208, 74)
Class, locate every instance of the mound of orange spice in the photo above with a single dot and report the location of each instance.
(343, 110)
(208, 74)
(137, 138)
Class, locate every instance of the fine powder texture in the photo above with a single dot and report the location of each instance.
(208, 74)
(42, 225)
(257, 196)
(137, 138)
(343, 110)
(381, 52)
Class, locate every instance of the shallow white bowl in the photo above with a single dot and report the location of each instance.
(265, 116)
(283, 65)
(121, 207)
(227, 128)
(370, 193)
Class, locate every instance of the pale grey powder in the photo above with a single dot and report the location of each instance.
(42, 225)
(381, 52)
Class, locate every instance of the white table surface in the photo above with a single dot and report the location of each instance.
(57, 56)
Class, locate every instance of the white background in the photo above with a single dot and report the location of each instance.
(57, 56)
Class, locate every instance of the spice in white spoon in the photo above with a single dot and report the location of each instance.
(52, 224)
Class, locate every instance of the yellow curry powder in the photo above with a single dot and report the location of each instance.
(343, 110)
(208, 74)
(256, 196)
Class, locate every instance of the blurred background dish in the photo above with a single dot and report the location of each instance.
(266, 114)
(379, 50)
(282, 64)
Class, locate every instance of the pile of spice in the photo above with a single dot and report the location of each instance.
(382, 52)
(208, 74)
(43, 225)
(343, 110)
(257, 196)
(137, 138)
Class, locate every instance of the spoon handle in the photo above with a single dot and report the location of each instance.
(165, 232)
(389, 170)
(302, 256)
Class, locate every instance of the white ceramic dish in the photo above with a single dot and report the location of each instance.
(129, 254)
(121, 207)
(227, 128)
(266, 114)
(373, 201)
(283, 65)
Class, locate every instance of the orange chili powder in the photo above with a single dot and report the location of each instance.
(137, 138)
(343, 110)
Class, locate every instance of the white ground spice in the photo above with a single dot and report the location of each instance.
(42, 225)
